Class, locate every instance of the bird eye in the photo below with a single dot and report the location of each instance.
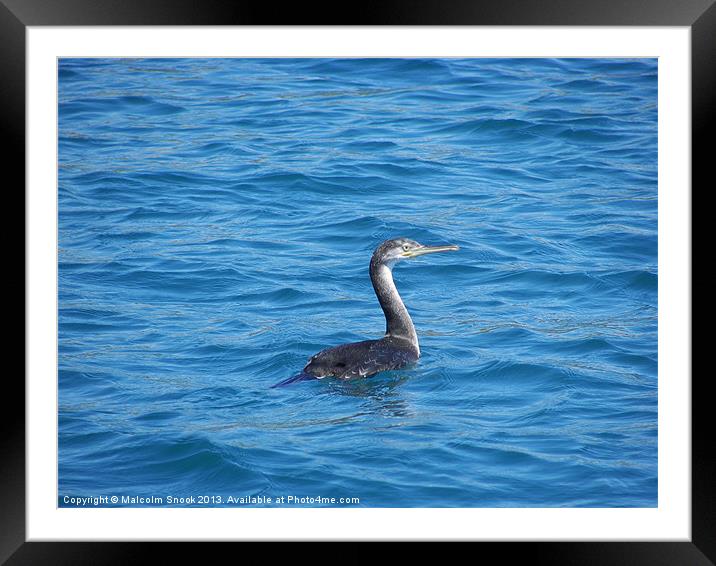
(406, 247)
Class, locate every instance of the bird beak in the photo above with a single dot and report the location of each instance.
(430, 250)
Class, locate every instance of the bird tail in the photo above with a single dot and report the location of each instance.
(303, 376)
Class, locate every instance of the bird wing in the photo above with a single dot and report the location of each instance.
(378, 358)
(359, 359)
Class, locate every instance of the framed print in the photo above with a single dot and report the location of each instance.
(218, 208)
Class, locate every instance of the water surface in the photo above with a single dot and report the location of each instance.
(216, 219)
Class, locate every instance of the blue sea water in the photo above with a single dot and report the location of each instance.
(216, 219)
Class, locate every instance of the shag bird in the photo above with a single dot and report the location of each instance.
(399, 347)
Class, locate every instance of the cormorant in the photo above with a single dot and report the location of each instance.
(398, 347)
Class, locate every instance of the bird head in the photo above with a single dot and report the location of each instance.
(398, 249)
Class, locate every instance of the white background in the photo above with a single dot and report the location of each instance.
(670, 521)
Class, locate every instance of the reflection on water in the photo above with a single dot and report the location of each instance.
(382, 393)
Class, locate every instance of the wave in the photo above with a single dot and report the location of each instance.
(122, 104)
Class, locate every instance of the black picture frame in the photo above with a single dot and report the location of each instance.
(17, 15)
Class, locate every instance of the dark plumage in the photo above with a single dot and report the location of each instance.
(362, 359)
(399, 347)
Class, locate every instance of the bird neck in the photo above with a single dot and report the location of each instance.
(397, 320)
